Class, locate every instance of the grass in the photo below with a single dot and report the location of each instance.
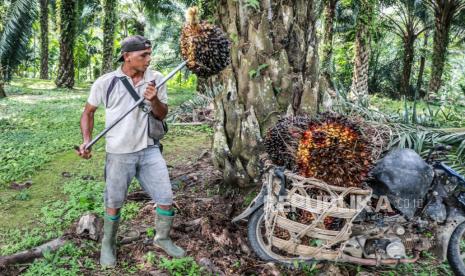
(34, 127)
(66, 261)
(46, 180)
(441, 114)
(72, 259)
(181, 266)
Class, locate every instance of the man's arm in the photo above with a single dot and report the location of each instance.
(159, 109)
(87, 125)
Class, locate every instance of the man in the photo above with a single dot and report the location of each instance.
(130, 151)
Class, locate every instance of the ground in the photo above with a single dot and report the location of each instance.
(39, 126)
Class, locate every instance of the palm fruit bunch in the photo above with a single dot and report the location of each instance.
(329, 147)
(204, 46)
(334, 150)
(281, 140)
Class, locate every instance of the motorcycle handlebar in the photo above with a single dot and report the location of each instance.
(441, 147)
(438, 147)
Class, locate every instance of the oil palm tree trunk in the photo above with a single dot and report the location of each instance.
(109, 23)
(407, 63)
(359, 88)
(44, 39)
(283, 36)
(326, 85)
(65, 76)
(444, 12)
(422, 66)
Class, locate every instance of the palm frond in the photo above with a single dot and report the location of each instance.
(16, 32)
(87, 11)
(199, 101)
(399, 134)
(159, 9)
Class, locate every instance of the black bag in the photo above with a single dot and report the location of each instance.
(157, 128)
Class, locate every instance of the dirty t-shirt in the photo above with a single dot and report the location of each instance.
(131, 133)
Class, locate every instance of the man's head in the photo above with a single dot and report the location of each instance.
(136, 52)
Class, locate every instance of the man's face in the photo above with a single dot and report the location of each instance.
(138, 60)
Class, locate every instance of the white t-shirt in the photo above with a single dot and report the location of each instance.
(131, 133)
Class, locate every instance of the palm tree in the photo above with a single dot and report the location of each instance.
(67, 11)
(87, 13)
(109, 23)
(421, 70)
(359, 88)
(329, 17)
(168, 15)
(246, 106)
(408, 21)
(133, 14)
(326, 84)
(14, 36)
(43, 39)
(445, 12)
(132, 18)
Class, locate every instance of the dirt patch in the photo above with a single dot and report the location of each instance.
(203, 223)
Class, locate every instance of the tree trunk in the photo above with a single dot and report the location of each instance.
(409, 48)
(202, 85)
(359, 88)
(44, 39)
(327, 51)
(31, 254)
(65, 77)
(373, 76)
(2, 90)
(326, 85)
(281, 38)
(139, 27)
(422, 66)
(109, 23)
(444, 14)
(2, 82)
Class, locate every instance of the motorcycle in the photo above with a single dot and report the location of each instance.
(411, 205)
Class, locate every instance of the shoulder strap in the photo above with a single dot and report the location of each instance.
(130, 89)
(110, 88)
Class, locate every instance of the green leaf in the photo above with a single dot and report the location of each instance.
(254, 4)
(252, 73)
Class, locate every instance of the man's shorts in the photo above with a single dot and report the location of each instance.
(147, 165)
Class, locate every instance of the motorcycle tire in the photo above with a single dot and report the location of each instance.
(257, 243)
(453, 250)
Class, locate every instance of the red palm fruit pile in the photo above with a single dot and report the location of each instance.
(329, 147)
(281, 141)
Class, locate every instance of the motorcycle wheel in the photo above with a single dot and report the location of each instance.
(260, 245)
(456, 250)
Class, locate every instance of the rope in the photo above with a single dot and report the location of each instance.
(334, 208)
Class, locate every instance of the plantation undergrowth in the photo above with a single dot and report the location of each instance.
(39, 125)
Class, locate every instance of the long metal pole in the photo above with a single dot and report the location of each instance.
(169, 76)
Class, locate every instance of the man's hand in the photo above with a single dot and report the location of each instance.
(159, 109)
(150, 92)
(87, 124)
(81, 151)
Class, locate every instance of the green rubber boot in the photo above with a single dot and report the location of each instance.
(162, 240)
(108, 250)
